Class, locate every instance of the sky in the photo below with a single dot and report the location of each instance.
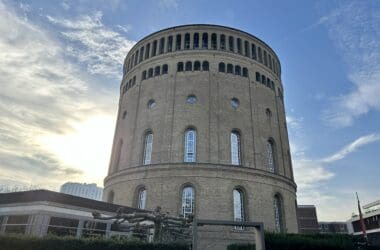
(61, 66)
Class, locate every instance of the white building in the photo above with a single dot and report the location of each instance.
(90, 191)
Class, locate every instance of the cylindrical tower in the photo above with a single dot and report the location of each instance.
(201, 129)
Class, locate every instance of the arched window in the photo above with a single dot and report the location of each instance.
(162, 46)
(270, 156)
(239, 213)
(180, 66)
(253, 51)
(143, 75)
(150, 72)
(117, 156)
(205, 66)
(148, 144)
(133, 81)
(222, 42)
(190, 145)
(154, 48)
(157, 71)
(141, 54)
(237, 70)
(230, 68)
(197, 66)
(222, 67)
(235, 148)
(278, 220)
(141, 198)
(245, 72)
(170, 44)
(147, 51)
(188, 66)
(213, 41)
(231, 44)
(187, 201)
(136, 57)
(238, 45)
(187, 41)
(111, 196)
(178, 42)
(263, 79)
(268, 114)
(258, 76)
(196, 41)
(164, 69)
(246, 48)
(205, 41)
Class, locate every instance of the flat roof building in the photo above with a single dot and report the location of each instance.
(307, 219)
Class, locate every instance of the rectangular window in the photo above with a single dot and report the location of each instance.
(17, 224)
(253, 51)
(93, 229)
(231, 44)
(136, 57)
(178, 42)
(246, 48)
(63, 226)
(258, 76)
(170, 44)
(238, 44)
(141, 54)
(270, 61)
(147, 51)
(222, 42)
(154, 50)
(260, 55)
(265, 58)
(162, 46)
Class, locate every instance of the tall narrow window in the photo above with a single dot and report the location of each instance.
(141, 198)
(222, 42)
(164, 69)
(136, 57)
(270, 156)
(150, 72)
(196, 41)
(231, 44)
(141, 54)
(278, 221)
(170, 44)
(265, 58)
(205, 41)
(147, 51)
(187, 202)
(154, 48)
(148, 143)
(178, 42)
(230, 68)
(180, 66)
(237, 70)
(205, 66)
(246, 48)
(222, 67)
(238, 45)
(187, 41)
(253, 51)
(260, 54)
(239, 212)
(235, 148)
(190, 145)
(188, 66)
(245, 72)
(270, 61)
(162, 46)
(197, 66)
(213, 41)
(157, 71)
(143, 75)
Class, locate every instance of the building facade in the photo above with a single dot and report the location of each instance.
(90, 191)
(333, 227)
(201, 129)
(307, 219)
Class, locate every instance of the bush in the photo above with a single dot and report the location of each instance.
(21, 242)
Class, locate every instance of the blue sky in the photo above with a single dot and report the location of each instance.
(60, 70)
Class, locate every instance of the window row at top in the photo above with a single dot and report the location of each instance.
(189, 41)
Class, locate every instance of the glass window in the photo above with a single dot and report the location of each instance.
(124, 114)
(213, 41)
(265, 58)
(63, 226)
(190, 145)
(245, 72)
(141, 198)
(143, 75)
(260, 55)
(196, 41)
(230, 68)
(222, 42)
(147, 51)
(258, 76)
(136, 57)
(141, 54)
(263, 79)
(170, 44)
(157, 71)
(253, 51)
(268, 113)
(234, 103)
(187, 41)
(237, 70)
(187, 202)
(154, 49)
(205, 66)
(191, 99)
(231, 44)
(238, 45)
(270, 156)
(197, 65)
(246, 48)
(222, 67)
(180, 66)
(150, 72)
(270, 61)
(178, 42)
(189, 66)
(235, 148)
(164, 69)
(205, 41)
(151, 103)
(162, 46)
(148, 148)
(17, 224)
(238, 206)
(277, 214)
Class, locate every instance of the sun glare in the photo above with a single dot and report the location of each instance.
(86, 148)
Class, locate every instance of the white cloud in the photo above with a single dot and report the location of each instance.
(46, 100)
(101, 49)
(168, 4)
(355, 30)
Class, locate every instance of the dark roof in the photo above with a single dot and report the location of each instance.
(61, 198)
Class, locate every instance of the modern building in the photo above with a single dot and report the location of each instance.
(371, 217)
(201, 130)
(42, 212)
(90, 191)
(307, 219)
(334, 227)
